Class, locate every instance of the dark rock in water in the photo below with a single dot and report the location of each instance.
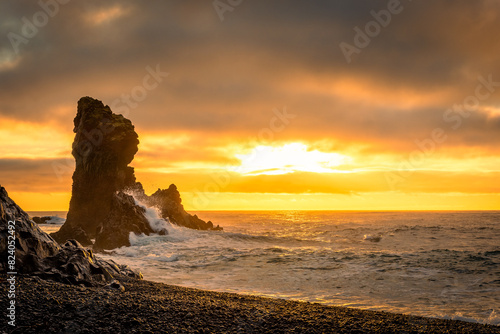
(38, 254)
(169, 203)
(100, 208)
(372, 238)
(105, 143)
(47, 219)
(41, 220)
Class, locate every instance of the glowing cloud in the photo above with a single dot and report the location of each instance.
(269, 160)
(8, 60)
(106, 15)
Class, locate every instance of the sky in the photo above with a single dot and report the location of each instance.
(260, 105)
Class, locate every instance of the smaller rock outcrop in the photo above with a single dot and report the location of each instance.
(47, 220)
(169, 203)
(41, 220)
(38, 254)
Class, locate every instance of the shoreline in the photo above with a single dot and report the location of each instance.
(151, 307)
(409, 310)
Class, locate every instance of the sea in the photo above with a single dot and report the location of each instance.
(435, 264)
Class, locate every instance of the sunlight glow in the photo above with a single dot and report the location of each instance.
(269, 160)
(8, 60)
(106, 15)
(31, 140)
(492, 111)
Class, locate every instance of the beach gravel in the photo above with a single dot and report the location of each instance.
(137, 306)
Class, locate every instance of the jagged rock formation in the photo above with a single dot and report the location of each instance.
(101, 207)
(169, 203)
(104, 144)
(31, 241)
(36, 253)
(47, 219)
(41, 220)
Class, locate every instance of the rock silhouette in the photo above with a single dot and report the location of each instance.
(47, 219)
(105, 143)
(41, 220)
(169, 203)
(38, 254)
(101, 207)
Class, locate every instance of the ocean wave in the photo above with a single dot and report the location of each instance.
(372, 238)
(492, 319)
(163, 258)
(54, 220)
(421, 270)
(250, 237)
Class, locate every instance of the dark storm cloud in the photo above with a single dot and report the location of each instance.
(227, 76)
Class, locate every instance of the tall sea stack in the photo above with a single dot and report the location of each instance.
(105, 143)
(101, 206)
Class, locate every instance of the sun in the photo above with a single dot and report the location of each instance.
(289, 158)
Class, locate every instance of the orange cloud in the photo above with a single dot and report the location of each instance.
(106, 15)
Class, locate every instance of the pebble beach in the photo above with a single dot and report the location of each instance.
(147, 307)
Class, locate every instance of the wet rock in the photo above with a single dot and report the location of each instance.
(75, 264)
(41, 220)
(115, 285)
(372, 238)
(31, 244)
(39, 254)
(169, 203)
